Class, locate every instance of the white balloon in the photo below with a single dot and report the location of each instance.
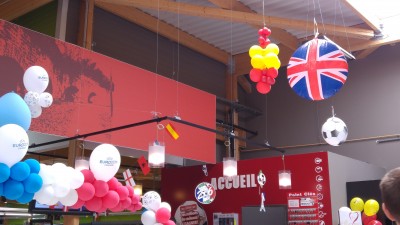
(165, 205)
(36, 79)
(14, 143)
(32, 98)
(77, 179)
(47, 174)
(53, 200)
(104, 162)
(334, 131)
(148, 218)
(44, 195)
(344, 209)
(45, 99)
(70, 199)
(36, 111)
(61, 189)
(158, 224)
(151, 200)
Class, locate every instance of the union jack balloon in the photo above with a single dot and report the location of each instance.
(317, 70)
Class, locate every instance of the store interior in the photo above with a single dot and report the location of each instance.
(140, 74)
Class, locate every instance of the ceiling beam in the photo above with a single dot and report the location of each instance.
(242, 17)
(11, 10)
(364, 53)
(149, 22)
(359, 8)
(278, 34)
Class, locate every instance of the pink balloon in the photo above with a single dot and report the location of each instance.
(86, 191)
(126, 203)
(255, 75)
(138, 206)
(135, 198)
(113, 183)
(122, 192)
(169, 222)
(78, 204)
(163, 215)
(111, 199)
(130, 189)
(94, 204)
(100, 187)
(117, 208)
(88, 175)
(374, 222)
(263, 88)
(102, 209)
(131, 208)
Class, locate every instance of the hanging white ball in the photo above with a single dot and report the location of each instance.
(334, 131)
(32, 98)
(36, 79)
(45, 99)
(36, 111)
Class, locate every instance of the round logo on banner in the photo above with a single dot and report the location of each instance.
(205, 193)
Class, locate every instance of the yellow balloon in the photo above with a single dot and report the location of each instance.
(357, 204)
(257, 61)
(255, 50)
(272, 48)
(271, 60)
(371, 207)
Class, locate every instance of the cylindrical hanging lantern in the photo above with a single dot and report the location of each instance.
(230, 166)
(285, 179)
(156, 155)
(81, 163)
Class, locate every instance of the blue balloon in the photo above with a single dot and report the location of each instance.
(34, 165)
(20, 171)
(13, 109)
(1, 189)
(13, 189)
(4, 172)
(25, 198)
(33, 183)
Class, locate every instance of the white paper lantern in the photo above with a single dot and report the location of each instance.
(36, 111)
(104, 162)
(45, 99)
(229, 166)
(151, 200)
(14, 143)
(285, 179)
(32, 98)
(36, 79)
(334, 131)
(81, 163)
(156, 155)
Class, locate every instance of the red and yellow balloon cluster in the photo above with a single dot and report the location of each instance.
(265, 62)
(369, 210)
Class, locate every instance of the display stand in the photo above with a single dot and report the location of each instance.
(303, 208)
(225, 219)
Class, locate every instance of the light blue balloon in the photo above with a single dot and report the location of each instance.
(1, 189)
(20, 171)
(34, 165)
(13, 189)
(33, 183)
(4, 172)
(25, 198)
(14, 110)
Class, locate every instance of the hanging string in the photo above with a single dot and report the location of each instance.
(307, 19)
(345, 30)
(316, 32)
(156, 74)
(333, 111)
(263, 11)
(318, 129)
(231, 74)
(322, 19)
(283, 162)
(178, 69)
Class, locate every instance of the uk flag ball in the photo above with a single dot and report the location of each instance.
(317, 70)
(334, 131)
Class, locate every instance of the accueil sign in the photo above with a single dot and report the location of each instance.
(235, 182)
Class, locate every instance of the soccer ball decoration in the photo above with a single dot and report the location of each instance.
(334, 131)
(317, 70)
(265, 62)
(261, 179)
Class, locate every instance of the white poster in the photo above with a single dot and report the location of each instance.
(350, 218)
(190, 213)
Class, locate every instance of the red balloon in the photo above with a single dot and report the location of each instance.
(112, 183)
(135, 198)
(261, 32)
(270, 80)
(169, 222)
(255, 75)
(78, 204)
(267, 42)
(266, 31)
(261, 40)
(94, 204)
(366, 219)
(263, 79)
(132, 208)
(100, 187)
(88, 175)
(263, 45)
(138, 206)
(117, 208)
(272, 72)
(122, 192)
(126, 203)
(263, 88)
(130, 189)
(163, 215)
(111, 199)
(102, 209)
(374, 222)
(86, 191)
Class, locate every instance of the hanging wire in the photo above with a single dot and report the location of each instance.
(263, 10)
(333, 111)
(347, 38)
(156, 74)
(322, 19)
(231, 74)
(283, 162)
(178, 64)
(307, 19)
